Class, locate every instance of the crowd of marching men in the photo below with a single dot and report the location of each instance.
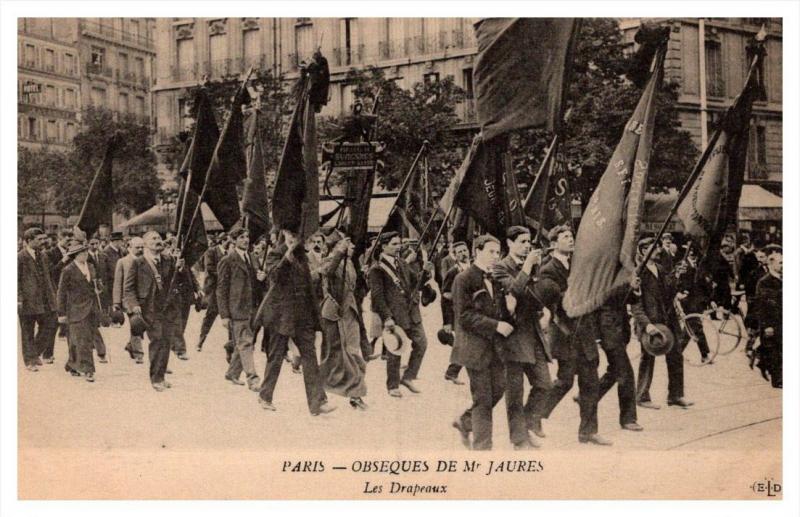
(502, 315)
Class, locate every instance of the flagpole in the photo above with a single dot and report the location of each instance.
(698, 168)
(436, 241)
(400, 193)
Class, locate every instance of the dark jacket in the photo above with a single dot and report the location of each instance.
(698, 287)
(612, 321)
(768, 304)
(142, 289)
(110, 257)
(654, 303)
(210, 263)
(55, 256)
(448, 318)
(396, 300)
(477, 314)
(34, 284)
(235, 287)
(77, 299)
(552, 285)
(290, 303)
(520, 345)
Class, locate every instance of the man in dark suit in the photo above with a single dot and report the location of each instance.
(526, 353)
(78, 290)
(290, 310)
(395, 298)
(461, 253)
(121, 272)
(146, 294)
(110, 256)
(481, 318)
(574, 344)
(59, 258)
(237, 302)
(768, 312)
(211, 259)
(694, 291)
(655, 305)
(36, 300)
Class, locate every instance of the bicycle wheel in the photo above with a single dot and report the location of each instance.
(732, 333)
(695, 324)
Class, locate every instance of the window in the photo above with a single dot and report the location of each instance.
(185, 58)
(123, 63)
(252, 47)
(468, 83)
(69, 64)
(70, 98)
(431, 78)
(50, 95)
(98, 97)
(715, 81)
(52, 131)
(303, 39)
(33, 128)
(69, 134)
(30, 55)
(140, 106)
(757, 152)
(98, 56)
(139, 67)
(761, 145)
(49, 60)
(134, 26)
(348, 40)
(123, 103)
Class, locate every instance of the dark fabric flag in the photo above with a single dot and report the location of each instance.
(98, 207)
(204, 140)
(311, 171)
(254, 199)
(194, 241)
(712, 203)
(398, 221)
(478, 188)
(548, 201)
(228, 167)
(605, 244)
(290, 186)
(520, 72)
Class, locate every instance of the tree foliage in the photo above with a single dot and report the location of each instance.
(603, 91)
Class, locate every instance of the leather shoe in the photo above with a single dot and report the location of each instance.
(89, 377)
(167, 384)
(535, 426)
(48, 360)
(31, 368)
(159, 386)
(410, 385)
(139, 360)
(464, 434)
(254, 384)
(358, 403)
(632, 426)
(183, 357)
(395, 393)
(234, 380)
(324, 409)
(75, 373)
(526, 445)
(102, 359)
(681, 402)
(266, 405)
(595, 439)
(454, 380)
(648, 404)
(38, 361)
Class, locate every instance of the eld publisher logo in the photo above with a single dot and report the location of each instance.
(767, 487)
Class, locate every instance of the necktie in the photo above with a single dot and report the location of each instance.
(487, 280)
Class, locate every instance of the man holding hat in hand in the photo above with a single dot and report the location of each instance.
(655, 318)
(395, 298)
(78, 292)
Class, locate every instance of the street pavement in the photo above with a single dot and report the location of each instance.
(734, 407)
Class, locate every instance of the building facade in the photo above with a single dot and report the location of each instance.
(68, 64)
(410, 50)
(710, 58)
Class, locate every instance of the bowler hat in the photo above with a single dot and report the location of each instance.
(116, 236)
(445, 336)
(138, 325)
(658, 344)
(387, 236)
(394, 341)
(117, 318)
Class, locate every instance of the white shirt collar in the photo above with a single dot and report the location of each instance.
(564, 259)
(152, 257)
(242, 254)
(31, 252)
(390, 259)
(652, 268)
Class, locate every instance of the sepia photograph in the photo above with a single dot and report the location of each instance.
(395, 258)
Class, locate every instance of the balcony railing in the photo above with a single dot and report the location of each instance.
(466, 111)
(112, 33)
(99, 70)
(189, 73)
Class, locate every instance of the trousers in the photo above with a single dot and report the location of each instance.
(576, 363)
(620, 372)
(278, 344)
(419, 343)
(674, 374)
(38, 333)
(487, 387)
(242, 358)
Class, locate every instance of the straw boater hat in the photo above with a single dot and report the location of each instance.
(395, 341)
(77, 247)
(658, 344)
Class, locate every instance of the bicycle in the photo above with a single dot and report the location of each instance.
(723, 334)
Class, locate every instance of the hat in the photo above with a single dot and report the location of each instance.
(387, 236)
(658, 344)
(445, 336)
(645, 243)
(76, 247)
(116, 236)
(771, 249)
(666, 235)
(459, 243)
(427, 295)
(333, 237)
(117, 318)
(138, 325)
(394, 341)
